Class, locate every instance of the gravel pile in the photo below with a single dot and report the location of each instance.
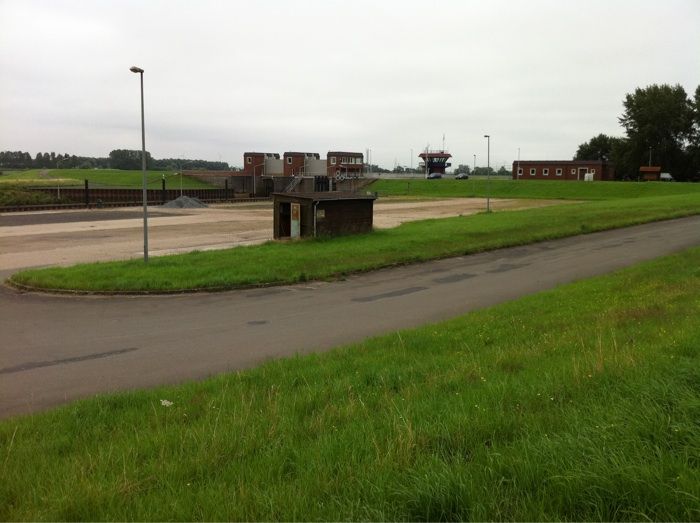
(185, 202)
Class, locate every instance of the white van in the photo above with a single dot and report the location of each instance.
(665, 177)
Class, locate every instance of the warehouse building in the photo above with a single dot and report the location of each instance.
(575, 170)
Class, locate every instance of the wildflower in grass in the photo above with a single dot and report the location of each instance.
(166, 403)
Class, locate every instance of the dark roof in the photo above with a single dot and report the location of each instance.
(434, 155)
(651, 169)
(325, 196)
(560, 162)
(274, 155)
(293, 153)
(346, 153)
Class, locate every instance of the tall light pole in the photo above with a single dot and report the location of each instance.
(474, 169)
(488, 172)
(138, 70)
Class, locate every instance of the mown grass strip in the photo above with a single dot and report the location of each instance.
(580, 403)
(546, 189)
(276, 263)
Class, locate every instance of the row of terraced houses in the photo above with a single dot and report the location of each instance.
(336, 164)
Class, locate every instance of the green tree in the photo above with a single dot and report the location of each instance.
(463, 169)
(597, 148)
(659, 122)
(128, 159)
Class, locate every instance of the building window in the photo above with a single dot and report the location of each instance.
(573, 171)
(289, 160)
(592, 171)
(332, 160)
(248, 159)
(532, 172)
(545, 172)
(337, 172)
(520, 171)
(559, 171)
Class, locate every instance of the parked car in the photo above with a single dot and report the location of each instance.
(462, 176)
(434, 176)
(665, 177)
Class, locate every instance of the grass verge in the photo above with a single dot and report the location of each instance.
(276, 263)
(580, 403)
(100, 177)
(547, 189)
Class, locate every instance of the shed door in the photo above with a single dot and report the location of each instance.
(296, 220)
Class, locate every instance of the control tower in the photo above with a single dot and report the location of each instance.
(435, 160)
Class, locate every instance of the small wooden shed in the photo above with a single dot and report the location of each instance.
(321, 214)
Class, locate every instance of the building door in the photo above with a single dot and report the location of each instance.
(582, 173)
(285, 220)
(296, 221)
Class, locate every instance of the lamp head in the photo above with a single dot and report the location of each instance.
(135, 69)
(487, 136)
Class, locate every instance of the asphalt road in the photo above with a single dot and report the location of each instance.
(54, 349)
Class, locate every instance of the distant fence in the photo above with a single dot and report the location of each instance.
(112, 197)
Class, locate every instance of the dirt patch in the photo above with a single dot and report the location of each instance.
(66, 238)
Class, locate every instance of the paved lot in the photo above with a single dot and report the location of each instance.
(54, 349)
(69, 237)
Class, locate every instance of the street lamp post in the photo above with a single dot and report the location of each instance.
(488, 172)
(138, 70)
(474, 168)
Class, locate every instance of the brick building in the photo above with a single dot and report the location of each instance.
(254, 163)
(345, 164)
(574, 170)
(295, 163)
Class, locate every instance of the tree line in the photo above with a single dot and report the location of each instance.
(662, 128)
(118, 159)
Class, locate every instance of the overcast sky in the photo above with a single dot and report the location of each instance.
(226, 77)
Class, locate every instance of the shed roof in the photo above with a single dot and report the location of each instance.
(651, 169)
(325, 196)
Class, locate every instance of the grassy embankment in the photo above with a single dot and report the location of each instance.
(544, 189)
(98, 178)
(580, 403)
(275, 263)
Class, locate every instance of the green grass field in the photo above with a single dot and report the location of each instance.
(276, 263)
(581, 403)
(99, 178)
(545, 189)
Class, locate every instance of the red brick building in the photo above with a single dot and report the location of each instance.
(344, 163)
(295, 163)
(650, 174)
(254, 163)
(574, 170)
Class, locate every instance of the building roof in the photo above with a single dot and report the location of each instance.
(326, 196)
(294, 153)
(435, 154)
(345, 153)
(560, 162)
(273, 155)
(651, 169)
